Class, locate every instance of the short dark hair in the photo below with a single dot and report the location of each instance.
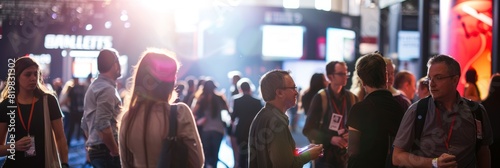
(450, 62)
(270, 82)
(245, 85)
(330, 67)
(105, 60)
(371, 70)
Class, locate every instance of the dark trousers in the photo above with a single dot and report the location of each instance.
(211, 144)
(100, 157)
(66, 123)
(243, 145)
(75, 120)
(333, 157)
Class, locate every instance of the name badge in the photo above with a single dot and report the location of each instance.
(335, 122)
(479, 130)
(31, 151)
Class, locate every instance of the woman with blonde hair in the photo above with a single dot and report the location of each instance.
(149, 104)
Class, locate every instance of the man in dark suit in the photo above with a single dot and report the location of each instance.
(244, 110)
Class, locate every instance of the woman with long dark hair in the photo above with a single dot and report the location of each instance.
(209, 107)
(316, 83)
(36, 125)
(471, 90)
(145, 123)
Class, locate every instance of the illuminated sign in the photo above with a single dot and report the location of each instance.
(283, 17)
(80, 42)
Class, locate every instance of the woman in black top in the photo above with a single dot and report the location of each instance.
(23, 118)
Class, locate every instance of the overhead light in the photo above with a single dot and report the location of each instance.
(124, 17)
(107, 25)
(291, 4)
(88, 27)
(325, 5)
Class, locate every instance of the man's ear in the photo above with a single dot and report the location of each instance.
(456, 80)
(407, 85)
(278, 92)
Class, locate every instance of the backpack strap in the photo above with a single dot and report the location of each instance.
(165, 153)
(422, 107)
(172, 129)
(324, 105)
(478, 115)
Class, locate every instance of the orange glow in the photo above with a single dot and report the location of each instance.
(470, 40)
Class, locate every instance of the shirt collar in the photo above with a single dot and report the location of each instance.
(379, 92)
(274, 109)
(456, 106)
(342, 91)
(107, 79)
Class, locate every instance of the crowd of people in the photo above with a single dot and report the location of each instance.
(386, 119)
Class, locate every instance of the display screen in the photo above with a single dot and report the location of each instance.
(408, 45)
(82, 67)
(303, 70)
(282, 42)
(340, 45)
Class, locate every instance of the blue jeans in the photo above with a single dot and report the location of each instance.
(66, 123)
(211, 144)
(100, 157)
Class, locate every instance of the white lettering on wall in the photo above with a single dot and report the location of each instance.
(282, 17)
(81, 42)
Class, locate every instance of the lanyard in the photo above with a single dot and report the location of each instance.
(31, 115)
(341, 112)
(450, 131)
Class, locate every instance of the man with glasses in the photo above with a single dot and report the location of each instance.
(327, 106)
(452, 136)
(270, 141)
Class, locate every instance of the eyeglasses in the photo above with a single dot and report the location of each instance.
(437, 78)
(343, 74)
(291, 87)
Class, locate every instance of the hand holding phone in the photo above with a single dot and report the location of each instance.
(315, 150)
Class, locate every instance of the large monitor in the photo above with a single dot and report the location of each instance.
(280, 42)
(408, 45)
(340, 45)
(82, 67)
(302, 70)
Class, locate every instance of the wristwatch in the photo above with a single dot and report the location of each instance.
(435, 163)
